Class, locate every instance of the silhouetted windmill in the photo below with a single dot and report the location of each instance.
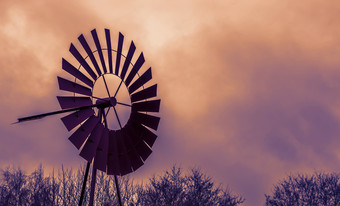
(115, 151)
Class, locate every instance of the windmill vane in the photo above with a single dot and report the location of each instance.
(115, 151)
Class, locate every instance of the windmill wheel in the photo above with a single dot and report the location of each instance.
(116, 151)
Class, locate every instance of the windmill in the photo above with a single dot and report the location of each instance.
(116, 151)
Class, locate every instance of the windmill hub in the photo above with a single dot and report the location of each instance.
(106, 102)
(105, 88)
(113, 101)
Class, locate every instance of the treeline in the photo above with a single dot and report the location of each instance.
(317, 189)
(173, 187)
(63, 187)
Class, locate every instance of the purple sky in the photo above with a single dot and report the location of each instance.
(250, 89)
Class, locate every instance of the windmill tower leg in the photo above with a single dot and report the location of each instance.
(84, 184)
(93, 185)
(118, 192)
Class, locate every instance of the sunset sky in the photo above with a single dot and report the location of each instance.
(250, 89)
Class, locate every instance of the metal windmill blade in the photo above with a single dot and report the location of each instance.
(117, 151)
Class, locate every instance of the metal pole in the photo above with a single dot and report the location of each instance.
(118, 192)
(116, 180)
(93, 185)
(84, 184)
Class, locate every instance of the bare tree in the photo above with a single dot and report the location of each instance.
(55, 190)
(201, 191)
(13, 190)
(70, 185)
(106, 193)
(163, 190)
(317, 189)
(174, 188)
(41, 188)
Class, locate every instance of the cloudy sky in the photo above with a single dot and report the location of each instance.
(250, 89)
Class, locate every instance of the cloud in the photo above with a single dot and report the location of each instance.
(258, 91)
(249, 89)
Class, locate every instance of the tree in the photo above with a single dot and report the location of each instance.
(174, 188)
(13, 189)
(106, 193)
(41, 188)
(317, 189)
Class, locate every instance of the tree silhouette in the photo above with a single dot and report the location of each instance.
(41, 188)
(171, 188)
(13, 190)
(317, 189)
(174, 188)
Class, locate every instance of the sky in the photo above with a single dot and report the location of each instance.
(250, 89)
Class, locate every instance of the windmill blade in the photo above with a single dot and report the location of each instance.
(71, 101)
(136, 161)
(143, 133)
(143, 150)
(144, 94)
(99, 49)
(100, 159)
(123, 158)
(146, 106)
(145, 119)
(132, 132)
(128, 60)
(76, 73)
(82, 61)
(140, 81)
(119, 52)
(141, 147)
(70, 86)
(72, 120)
(112, 156)
(90, 147)
(148, 136)
(88, 50)
(79, 136)
(140, 61)
(109, 49)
